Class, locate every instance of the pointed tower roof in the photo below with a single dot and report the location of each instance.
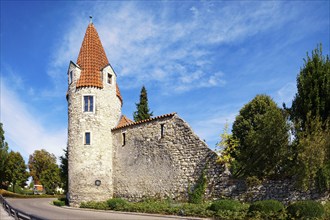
(91, 59)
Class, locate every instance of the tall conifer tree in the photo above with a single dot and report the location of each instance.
(143, 111)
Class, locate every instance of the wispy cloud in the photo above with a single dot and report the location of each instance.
(156, 48)
(24, 130)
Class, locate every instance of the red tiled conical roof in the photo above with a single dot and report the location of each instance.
(91, 59)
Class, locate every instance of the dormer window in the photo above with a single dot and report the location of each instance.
(109, 78)
(88, 103)
(70, 77)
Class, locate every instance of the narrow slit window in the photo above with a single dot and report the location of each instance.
(88, 103)
(87, 138)
(123, 139)
(109, 78)
(161, 130)
(70, 77)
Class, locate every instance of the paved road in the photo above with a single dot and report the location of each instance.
(43, 208)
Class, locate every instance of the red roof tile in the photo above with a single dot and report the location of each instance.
(91, 59)
(123, 125)
(124, 121)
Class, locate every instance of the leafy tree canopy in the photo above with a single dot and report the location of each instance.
(64, 170)
(40, 161)
(50, 178)
(15, 169)
(3, 155)
(313, 89)
(143, 111)
(262, 132)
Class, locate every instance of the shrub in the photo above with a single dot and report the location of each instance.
(266, 206)
(252, 181)
(305, 210)
(197, 195)
(94, 205)
(8, 194)
(327, 210)
(59, 203)
(226, 204)
(117, 204)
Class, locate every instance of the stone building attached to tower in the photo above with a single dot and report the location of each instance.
(110, 155)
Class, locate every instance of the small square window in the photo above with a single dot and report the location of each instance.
(88, 103)
(87, 138)
(109, 78)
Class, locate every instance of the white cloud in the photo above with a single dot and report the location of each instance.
(23, 130)
(286, 94)
(143, 45)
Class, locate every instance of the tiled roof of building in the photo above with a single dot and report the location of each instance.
(123, 125)
(124, 121)
(91, 59)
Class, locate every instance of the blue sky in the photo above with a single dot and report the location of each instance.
(201, 59)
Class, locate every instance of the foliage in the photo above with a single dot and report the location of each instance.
(64, 170)
(227, 147)
(94, 205)
(40, 161)
(50, 178)
(323, 178)
(15, 170)
(143, 111)
(266, 206)
(117, 204)
(305, 210)
(196, 196)
(252, 181)
(8, 194)
(313, 90)
(59, 203)
(262, 131)
(313, 147)
(152, 206)
(228, 205)
(327, 210)
(3, 156)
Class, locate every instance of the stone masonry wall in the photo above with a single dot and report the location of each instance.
(88, 163)
(149, 165)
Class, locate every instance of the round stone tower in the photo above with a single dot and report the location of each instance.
(94, 108)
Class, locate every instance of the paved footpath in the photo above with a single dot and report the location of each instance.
(4, 215)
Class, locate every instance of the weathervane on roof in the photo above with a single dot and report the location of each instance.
(90, 19)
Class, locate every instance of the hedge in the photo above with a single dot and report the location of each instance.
(306, 210)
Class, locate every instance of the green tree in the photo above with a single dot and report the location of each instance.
(40, 161)
(313, 154)
(50, 178)
(16, 172)
(310, 113)
(227, 146)
(143, 111)
(263, 135)
(3, 156)
(64, 170)
(313, 90)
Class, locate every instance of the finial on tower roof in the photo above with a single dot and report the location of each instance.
(90, 19)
